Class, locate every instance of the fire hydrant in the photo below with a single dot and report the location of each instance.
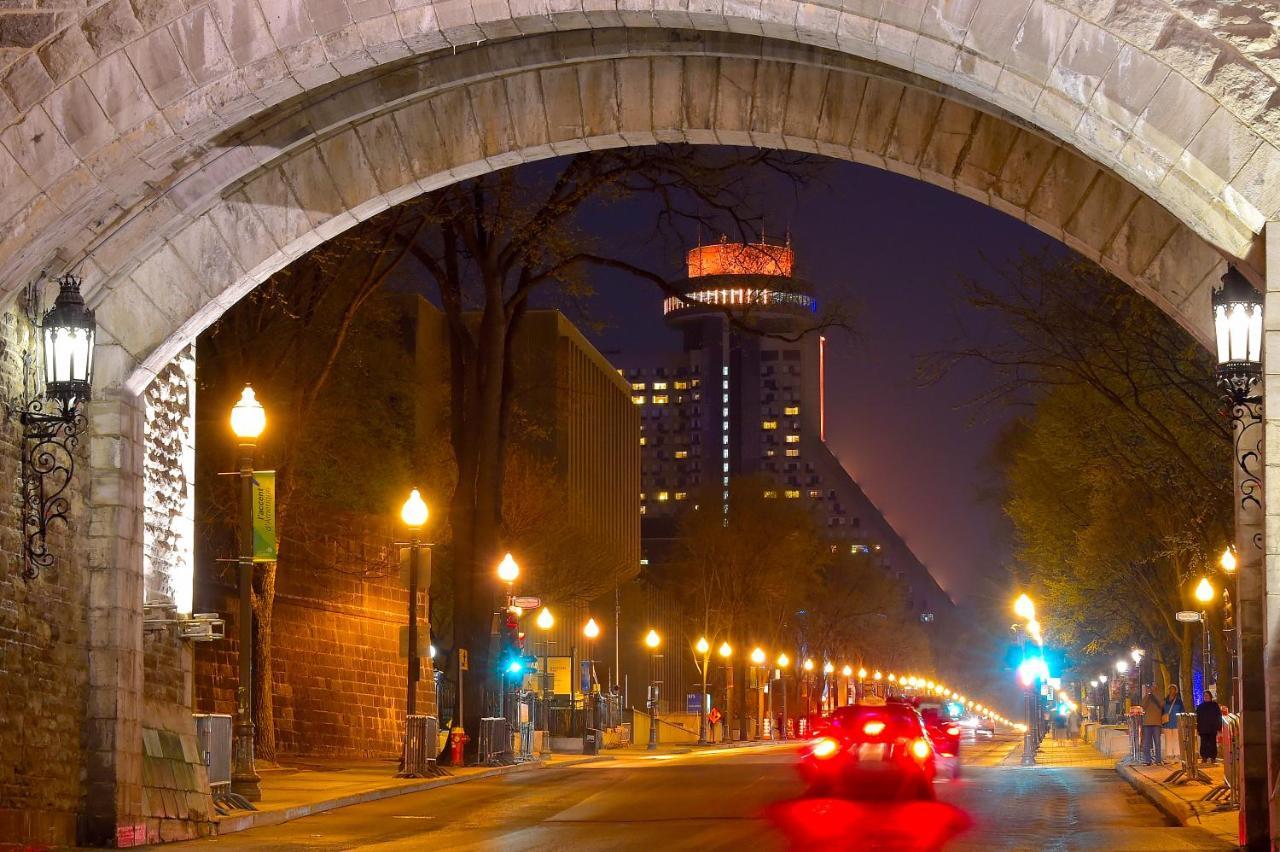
(460, 740)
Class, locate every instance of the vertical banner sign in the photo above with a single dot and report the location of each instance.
(264, 516)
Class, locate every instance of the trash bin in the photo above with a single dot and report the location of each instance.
(591, 741)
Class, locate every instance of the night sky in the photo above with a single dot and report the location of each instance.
(897, 247)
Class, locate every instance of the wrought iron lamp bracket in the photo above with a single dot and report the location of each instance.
(50, 436)
(1239, 384)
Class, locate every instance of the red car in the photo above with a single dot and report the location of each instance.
(871, 752)
(944, 732)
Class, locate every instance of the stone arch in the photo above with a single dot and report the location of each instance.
(283, 185)
(105, 107)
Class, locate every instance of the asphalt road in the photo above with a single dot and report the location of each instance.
(745, 799)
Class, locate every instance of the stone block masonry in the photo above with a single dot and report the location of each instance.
(43, 669)
(338, 676)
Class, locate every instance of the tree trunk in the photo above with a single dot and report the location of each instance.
(263, 695)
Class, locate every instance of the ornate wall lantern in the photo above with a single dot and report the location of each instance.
(1237, 326)
(53, 421)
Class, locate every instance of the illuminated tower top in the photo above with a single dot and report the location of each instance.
(748, 277)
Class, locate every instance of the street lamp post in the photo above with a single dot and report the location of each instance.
(545, 622)
(591, 632)
(847, 671)
(652, 640)
(828, 686)
(725, 653)
(1204, 594)
(248, 421)
(783, 662)
(414, 514)
(808, 692)
(703, 648)
(757, 662)
(508, 573)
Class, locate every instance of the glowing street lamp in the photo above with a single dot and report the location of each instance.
(652, 640)
(1228, 560)
(703, 649)
(508, 569)
(1204, 590)
(783, 662)
(248, 421)
(1122, 666)
(1024, 608)
(414, 514)
(545, 622)
(757, 664)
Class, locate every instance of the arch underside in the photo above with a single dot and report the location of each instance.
(277, 188)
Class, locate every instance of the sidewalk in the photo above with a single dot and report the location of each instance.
(1182, 801)
(313, 785)
(1057, 753)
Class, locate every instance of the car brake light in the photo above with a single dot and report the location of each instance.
(873, 729)
(825, 747)
(952, 730)
(920, 749)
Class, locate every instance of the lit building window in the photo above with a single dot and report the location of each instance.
(642, 510)
(793, 439)
(793, 454)
(644, 561)
(697, 382)
(724, 412)
(770, 495)
(680, 495)
(638, 400)
(637, 385)
(792, 494)
(725, 454)
(642, 440)
(682, 454)
(659, 399)
(641, 496)
(816, 494)
(663, 496)
(790, 410)
(770, 453)
(659, 385)
(682, 385)
(769, 424)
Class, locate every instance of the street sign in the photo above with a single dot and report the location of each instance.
(1187, 615)
(526, 602)
(424, 567)
(462, 659)
(424, 642)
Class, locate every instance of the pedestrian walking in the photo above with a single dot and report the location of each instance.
(1208, 724)
(1152, 719)
(1172, 708)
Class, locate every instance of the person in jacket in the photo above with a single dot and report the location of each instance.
(1152, 719)
(1172, 707)
(1208, 724)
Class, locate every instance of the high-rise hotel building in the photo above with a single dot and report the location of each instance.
(745, 396)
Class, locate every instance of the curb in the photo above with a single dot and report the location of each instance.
(259, 819)
(1174, 807)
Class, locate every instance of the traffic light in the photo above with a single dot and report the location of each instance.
(512, 661)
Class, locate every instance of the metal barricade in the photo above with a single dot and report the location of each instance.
(1189, 772)
(421, 747)
(1227, 794)
(495, 742)
(1135, 738)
